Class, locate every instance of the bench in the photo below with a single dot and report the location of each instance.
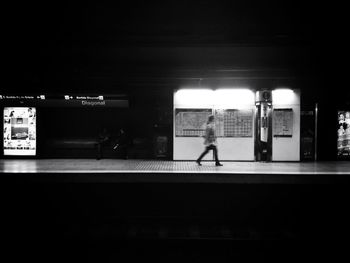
(141, 148)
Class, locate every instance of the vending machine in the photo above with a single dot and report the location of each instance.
(263, 127)
(307, 134)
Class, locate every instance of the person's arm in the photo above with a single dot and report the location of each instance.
(206, 135)
(214, 135)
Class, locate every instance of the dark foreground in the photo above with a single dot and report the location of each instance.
(48, 220)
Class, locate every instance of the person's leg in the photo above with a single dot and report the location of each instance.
(202, 155)
(215, 150)
(126, 156)
(217, 162)
(103, 145)
(98, 153)
(124, 152)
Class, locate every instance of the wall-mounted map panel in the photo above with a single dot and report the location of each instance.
(283, 122)
(191, 122)
(234, 123)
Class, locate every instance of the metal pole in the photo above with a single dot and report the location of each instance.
(316, 123)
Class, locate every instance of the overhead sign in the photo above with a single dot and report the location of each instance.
(68, 100)
(22, 97)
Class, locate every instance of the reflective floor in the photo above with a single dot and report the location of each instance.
(156, 166)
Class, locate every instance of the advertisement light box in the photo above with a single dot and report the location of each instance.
(344, 133)
(19, 131)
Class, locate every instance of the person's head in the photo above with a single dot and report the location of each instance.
(210, 118)
(121, 131)
(341, 117)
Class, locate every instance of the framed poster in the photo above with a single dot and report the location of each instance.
(191, 122)
(19, 134)
(343, 133)
(282, 122)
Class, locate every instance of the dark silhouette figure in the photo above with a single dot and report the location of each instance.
(210, 142)
(122, 144)
(102, 141)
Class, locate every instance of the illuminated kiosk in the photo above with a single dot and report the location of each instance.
(234, 120)
(235, 114)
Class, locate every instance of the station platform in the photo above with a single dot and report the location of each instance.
(116, 170)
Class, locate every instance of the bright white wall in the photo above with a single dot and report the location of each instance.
(189, 148)
(287, 148)
(240, 149)
(194, 98)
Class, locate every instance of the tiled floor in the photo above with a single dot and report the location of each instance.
(156, 166)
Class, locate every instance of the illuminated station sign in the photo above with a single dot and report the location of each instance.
(68, 100)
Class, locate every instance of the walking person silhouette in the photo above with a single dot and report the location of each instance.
(210, 141)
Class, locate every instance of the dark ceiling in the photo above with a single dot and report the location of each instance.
(54, 47)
